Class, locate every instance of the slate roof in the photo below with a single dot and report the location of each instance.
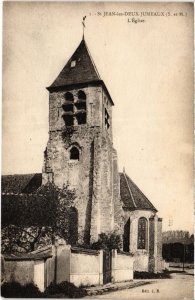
(83, 71)
(20, 184)
(132, 197)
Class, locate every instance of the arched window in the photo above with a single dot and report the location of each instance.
(142, 233)
(69, 96)
(81, 95)
(74, 153)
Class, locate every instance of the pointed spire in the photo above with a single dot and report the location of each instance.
(124, 170)
(79, 69)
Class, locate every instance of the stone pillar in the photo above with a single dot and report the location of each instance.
(101, 267)
(114, 256)
(159, 245)
(63, 261)
(153, 244)
(133, 234)
(118, 212)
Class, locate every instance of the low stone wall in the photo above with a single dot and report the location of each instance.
(141, 260)
(55, 264)
(122, 266)
(39, 274)
(161, 265)
(20, 271)
(37, 267)
(62, 263)
(86, 267)
(165, 265)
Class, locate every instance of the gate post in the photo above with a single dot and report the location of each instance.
(101, 267)
(107, 266)
(63, 263)
(114, 256)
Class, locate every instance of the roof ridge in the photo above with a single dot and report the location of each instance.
(131, 194)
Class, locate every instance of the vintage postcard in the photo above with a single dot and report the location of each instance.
(97, 150)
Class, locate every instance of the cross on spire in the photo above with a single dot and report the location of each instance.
(83, 22)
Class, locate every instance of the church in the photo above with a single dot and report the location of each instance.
(80, 154)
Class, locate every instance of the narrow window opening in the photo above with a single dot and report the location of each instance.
(68, 107)
(142, 233)
(69, 96)
(74, 153)
(80, 105)
(81, 95)
(81, 118)
(68, 119)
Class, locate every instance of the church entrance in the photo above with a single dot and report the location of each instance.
(126, 236)
(107, 266)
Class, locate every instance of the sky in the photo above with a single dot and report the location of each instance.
(148, 69)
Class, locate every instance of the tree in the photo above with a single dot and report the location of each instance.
(32, 221)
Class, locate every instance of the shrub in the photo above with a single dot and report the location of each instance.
(66, 288)
(107, 242)
(16, 290)
(150, 275)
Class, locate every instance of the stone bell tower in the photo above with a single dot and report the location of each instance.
(79, 151)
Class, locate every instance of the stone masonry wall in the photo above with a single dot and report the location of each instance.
(118, 211)
(20, 271)
(106, 205)
(92, 175)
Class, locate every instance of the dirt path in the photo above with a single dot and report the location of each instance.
(178, 287)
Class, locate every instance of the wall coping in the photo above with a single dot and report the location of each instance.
(84, 251)
(125, 253)
(38, 254)
(25, 257)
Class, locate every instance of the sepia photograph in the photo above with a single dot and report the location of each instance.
(97, 150)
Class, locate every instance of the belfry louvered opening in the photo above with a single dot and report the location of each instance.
(74, 109)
